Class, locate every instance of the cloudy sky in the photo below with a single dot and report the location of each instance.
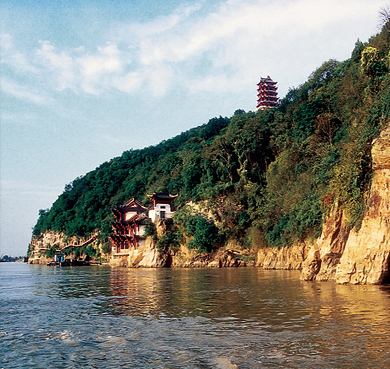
(83, 81)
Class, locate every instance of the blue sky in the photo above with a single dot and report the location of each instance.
(83, 81)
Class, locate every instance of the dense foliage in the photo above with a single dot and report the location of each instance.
(266, 178)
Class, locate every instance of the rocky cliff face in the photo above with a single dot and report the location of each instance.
(222, 258)
(363, 256)
(288, 258)
(366, 257)
(145, 256)
(324, 256)
(39, 247)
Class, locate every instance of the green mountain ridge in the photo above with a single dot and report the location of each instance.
(267, 178)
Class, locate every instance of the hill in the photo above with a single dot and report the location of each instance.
(266, 179)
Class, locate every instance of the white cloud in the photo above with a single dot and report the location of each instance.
(62, 64)
(117, 140)
(94, 68)
(81, 71)
(13, 58)
(130, 82)
(223, 50)
(242, 39)
(6, 41)
(19, 118)
(24, 93)
(156, 27)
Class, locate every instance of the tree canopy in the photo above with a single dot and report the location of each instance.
(274, 173)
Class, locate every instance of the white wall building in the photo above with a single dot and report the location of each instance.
(161, 206)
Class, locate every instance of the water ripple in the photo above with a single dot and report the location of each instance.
(157, 318)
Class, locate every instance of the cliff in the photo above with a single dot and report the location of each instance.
(342, 254)
(357, 256)
(288, 258)
(43, 248)
(222, 258)
(147, 256)
(366, 256)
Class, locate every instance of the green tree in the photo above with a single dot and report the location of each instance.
(204, 233)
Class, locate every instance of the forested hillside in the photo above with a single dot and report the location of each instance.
(267, 177)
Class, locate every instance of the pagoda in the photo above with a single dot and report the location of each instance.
(267, 95)
(128, 227)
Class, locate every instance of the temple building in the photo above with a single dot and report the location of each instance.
(267, 95)
(128, 227)
(130, 219)
(161, 206)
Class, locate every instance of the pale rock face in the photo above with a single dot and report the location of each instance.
(288, 258)
(366, 257)
(325, 254)
(221, 259)
(46, 241)
(358, 257)
(145, 256)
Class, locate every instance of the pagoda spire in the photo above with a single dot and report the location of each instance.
(267, 95)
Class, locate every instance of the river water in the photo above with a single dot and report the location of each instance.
(99, 317)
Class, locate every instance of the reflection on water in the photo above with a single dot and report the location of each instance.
(99, 317)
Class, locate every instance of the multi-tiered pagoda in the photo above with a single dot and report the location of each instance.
(267, 95)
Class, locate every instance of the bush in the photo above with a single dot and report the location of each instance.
(169, 241)
(150, 229)
(91, 251)
(51, 252)
(204, 232)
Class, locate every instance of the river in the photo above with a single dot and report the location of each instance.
(100, 317)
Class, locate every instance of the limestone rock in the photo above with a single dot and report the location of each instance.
(367, 253)
(381, 151)
(49, 239)
(200, 260)
(325, 254)
(289, 258)
(222, 258)
(183, 257)
(363, 256)
(312, 265)
(145, 256)
(227, 258)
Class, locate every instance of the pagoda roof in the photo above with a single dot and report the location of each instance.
(162, 196)
(268, 79)
(135, 219)
(131, 204)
